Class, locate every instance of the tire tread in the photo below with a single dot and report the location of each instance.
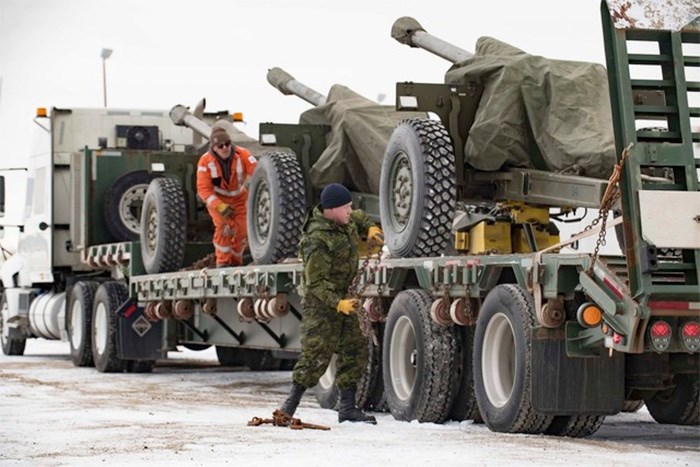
(84, 292)
(433, 231)
(284, 173)
(113, 294)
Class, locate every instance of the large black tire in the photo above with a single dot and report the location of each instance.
(255, 359)
(632, 406)
(229, 356)
(326, 391)
(108, 298)
(79, 322)
(370, 389)
(261, 360)
(163, 226)
(419, 360)
(123, 204)
(140, 366)
(465, 406)
(575, 426)
(276, 208)
(502, 362)
(196, 347)
(10, 345)
(417, 190)
(679, 405)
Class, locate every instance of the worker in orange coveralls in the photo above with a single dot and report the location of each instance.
(221, 175)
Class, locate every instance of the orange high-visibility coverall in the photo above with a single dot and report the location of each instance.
(230, 233)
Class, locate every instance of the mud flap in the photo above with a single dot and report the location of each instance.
(563, 385)
(139, 338)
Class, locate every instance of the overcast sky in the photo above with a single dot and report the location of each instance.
(178, 51)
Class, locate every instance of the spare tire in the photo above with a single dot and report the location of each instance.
(417, 190)
(163, 226)
(276, 208)
(123, 204)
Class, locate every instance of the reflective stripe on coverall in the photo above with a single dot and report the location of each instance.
(230, 234)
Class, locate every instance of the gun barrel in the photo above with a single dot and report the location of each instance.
(286, 84)
(181, 116)
(407, 30)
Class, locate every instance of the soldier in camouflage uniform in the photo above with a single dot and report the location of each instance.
(329, 250)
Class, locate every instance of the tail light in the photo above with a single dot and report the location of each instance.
(660, 334)
(690, 335)
(589, 315)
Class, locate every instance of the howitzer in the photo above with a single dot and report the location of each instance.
(276, 193)
(495, 141)
(410, 32)
(181, 115)
(287, 85)
(359, 129)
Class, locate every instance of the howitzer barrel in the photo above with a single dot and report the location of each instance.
(409, 31)
(181, 116)
(286, 84)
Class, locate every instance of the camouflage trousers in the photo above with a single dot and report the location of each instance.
(325, 332)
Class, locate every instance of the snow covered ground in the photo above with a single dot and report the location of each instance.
(192, 412)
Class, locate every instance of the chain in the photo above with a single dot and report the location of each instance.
(610, 197)
(355, 291)
(468, 310)
(380, 301)
(280, 418)
(362, 315)
(446, 295)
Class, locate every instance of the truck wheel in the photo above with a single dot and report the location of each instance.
(261, 360)
(276, 208)
(465, 406)
(632, 406)
(140, 366)
(196, 347)
(417, 190)
(108, 298)
(419, 360)
(229, 356)
(326, 391)
(163, 226)
(502, 362)
(79, 322)
(10, 345)
(679, 405)
(370, 388)
(123, 203)
(575, 426)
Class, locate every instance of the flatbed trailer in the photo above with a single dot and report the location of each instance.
(530, 340)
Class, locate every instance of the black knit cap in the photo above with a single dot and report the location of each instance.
(335, 195)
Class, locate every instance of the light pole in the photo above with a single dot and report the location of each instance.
(105, 54)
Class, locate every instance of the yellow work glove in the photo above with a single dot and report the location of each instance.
(348, 305)
(375, 235)
(224, 209)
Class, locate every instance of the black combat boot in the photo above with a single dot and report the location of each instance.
(349, 412)
(290, 405)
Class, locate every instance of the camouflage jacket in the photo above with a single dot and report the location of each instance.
(330, 254)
